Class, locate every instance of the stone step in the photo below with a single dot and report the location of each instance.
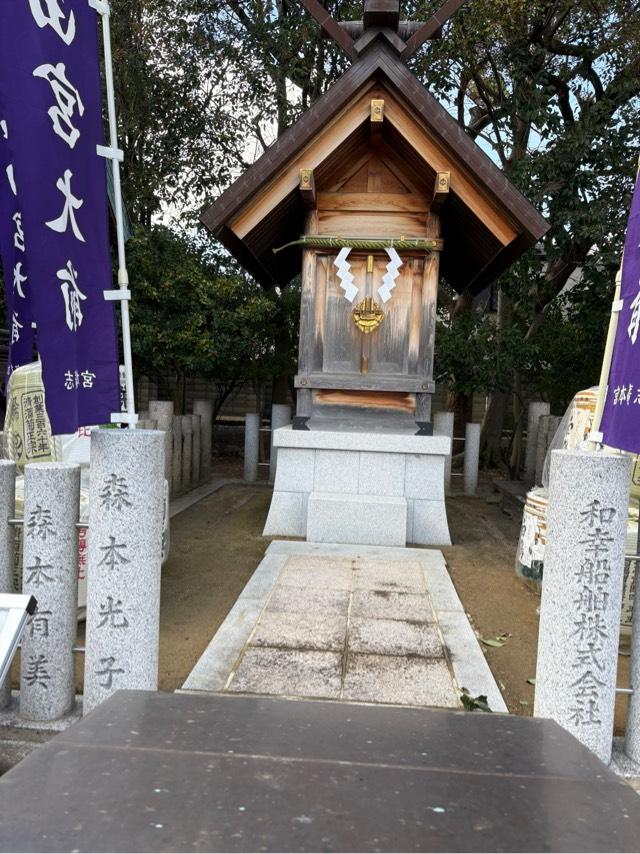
(359, 519)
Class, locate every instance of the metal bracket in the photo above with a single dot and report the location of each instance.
(110, 153)
(596, 437)
(124, 418)
(117, 294)
(617, 306)
(101, 6)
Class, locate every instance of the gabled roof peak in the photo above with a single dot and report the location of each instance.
(381, 20)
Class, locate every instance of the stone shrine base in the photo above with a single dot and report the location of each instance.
(383, 489)
(348, 623)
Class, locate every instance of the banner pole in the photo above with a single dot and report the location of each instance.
(594, 436)
(113, 153)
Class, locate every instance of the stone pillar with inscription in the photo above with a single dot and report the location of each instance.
(50, 573)
(187, 450)
(537, 408)
(280, 417)
(204, 408)
(125, 555)
(471, 458)
(7, 546)
(251, 446)
(582, 594)
(443, 426)
(176, 460)
(161, 411)
(196, 421)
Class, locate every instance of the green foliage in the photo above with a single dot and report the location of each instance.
(189, 318)
(475, 355)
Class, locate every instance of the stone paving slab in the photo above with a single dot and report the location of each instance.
(289, 673)
(299, 601)
(350, 623)
(384, 605)
(400, 679)
(394, 637)
(301, 631)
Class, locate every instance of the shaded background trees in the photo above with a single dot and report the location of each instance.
(549, 89)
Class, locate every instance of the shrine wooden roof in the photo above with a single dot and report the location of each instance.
(486, 223)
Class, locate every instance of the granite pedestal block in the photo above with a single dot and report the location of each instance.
(582, 594)
(280, 417)
(344, 518)
(7, 541)
(443, 423)
(50, 561)
(125, 553)
(370, 467)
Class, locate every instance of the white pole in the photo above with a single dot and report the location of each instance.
(102, 7)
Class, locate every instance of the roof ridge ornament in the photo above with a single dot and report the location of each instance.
(381, 18)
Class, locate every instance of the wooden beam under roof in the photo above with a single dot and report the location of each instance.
(308, 189)
(440, 190)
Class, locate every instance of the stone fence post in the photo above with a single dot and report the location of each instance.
(443, 426)
(471, 458)
(204, 408)
(50, 573)
(582, 594)
(280, 417)
(7, 546)
(176, 461)
(196, 421)
(547, 426)
(125, 555)
(251, 446)
(161, 411)
(187, 450)
(537, 408)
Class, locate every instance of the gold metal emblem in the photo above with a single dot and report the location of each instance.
(367, 315)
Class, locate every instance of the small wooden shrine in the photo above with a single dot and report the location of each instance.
(373, 195)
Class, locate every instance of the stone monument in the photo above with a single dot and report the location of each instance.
(373, 194)
(50, 574)
(125, 555)
(582, 594)
(7, 543)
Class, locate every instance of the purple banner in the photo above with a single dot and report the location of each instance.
(620, 425)
(14, 260)
(51, 97)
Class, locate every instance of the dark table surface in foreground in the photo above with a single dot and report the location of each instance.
(180, 772)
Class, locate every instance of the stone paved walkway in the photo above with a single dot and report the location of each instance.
(348, 623)
(357, 629)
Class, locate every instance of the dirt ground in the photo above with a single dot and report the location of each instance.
(217, 544)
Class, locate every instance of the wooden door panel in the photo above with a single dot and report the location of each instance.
(390, 344)
(342, 346)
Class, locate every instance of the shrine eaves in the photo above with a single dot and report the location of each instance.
(376, 158)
